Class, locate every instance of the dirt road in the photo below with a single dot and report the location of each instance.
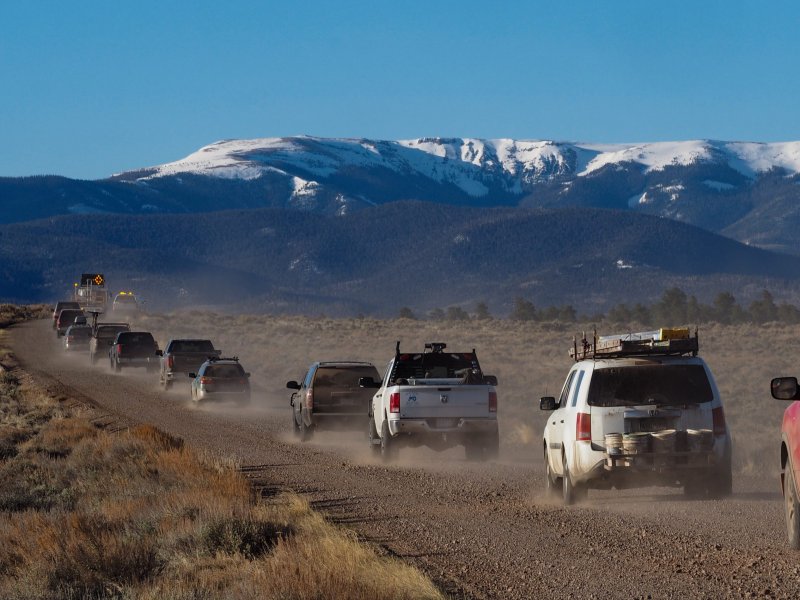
(479, 531)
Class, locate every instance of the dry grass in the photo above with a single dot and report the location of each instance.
(87, 514)
(530, 360)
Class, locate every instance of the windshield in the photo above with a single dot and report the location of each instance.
(191, 346)
(224, 371)
(433, 365)
(650, 384)
(343, 376)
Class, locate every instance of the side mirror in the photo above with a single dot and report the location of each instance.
(784, 388)
(490, 379)
(368, 382)
(192, 375)
(292, 385)
(159, 353)
(547, 403)
(247, 375)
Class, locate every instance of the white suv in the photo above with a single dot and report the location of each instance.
(637, 410)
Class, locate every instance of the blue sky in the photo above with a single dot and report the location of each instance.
(91, 88)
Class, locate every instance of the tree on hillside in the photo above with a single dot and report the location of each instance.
(482, 311)
(523, 310)
(763, 310)
(437, 314)
(456, 313)
(725, 309)
(672, 308)
(406, 313)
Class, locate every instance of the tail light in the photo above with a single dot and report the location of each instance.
(310, 399)
(492, 401)
(394, 402)
(119, 349)
(206, 380)
(583, 428)
(719, 420)
(170, 362)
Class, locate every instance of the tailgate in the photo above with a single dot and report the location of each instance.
(457, 401)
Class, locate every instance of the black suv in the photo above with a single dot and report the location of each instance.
(102, 338)
(330, 394)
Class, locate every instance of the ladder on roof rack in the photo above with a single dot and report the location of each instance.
(634, 345)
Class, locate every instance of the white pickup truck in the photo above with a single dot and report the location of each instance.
(437, 399)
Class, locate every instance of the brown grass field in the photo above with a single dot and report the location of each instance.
(90, 514)
(529, 358)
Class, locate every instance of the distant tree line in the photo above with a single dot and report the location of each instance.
(674, 307)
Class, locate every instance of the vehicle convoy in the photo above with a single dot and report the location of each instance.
(61, 306)
(133, 349)
(221, 379)
(77, 337)
(184, 356)
(786, 388)
(437, 399)
(91, 293)
(66, 318)
(103, 335)
(330, 394)
(637, 410)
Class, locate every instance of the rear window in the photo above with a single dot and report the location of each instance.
(191, 346)
(650, 384)
(126, 299)
(80, 331)
(224, 371)
(110, 332)
(433, 365)
(68, 315)
(136, 337)
(343, 376)
(64, 305)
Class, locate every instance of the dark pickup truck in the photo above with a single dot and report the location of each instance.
(330, 394)
(184, 356)
(133, 349)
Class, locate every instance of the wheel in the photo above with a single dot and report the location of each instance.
(491, 446)
(305, 430)
(117, 366)
(571, 491)
(295, 426)
(372, 437)
(792, 508)
(388, 445)
(552, 484)
(473, 450)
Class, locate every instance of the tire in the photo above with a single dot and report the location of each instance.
(792, 508)
(117, 367)
(372, 435)
(388, 445)
(552, 484)
(473, 450)
(305, 430)
(295, 426)
(570, 491)
(491, 447)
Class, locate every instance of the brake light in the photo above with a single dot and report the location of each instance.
(583, 428)
(119, 349)
(719, 420)
(310, 399)
(170, 362)
(206, 380)
(492, 401)
(394, 402)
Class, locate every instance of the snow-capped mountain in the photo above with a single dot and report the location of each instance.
(746, 190)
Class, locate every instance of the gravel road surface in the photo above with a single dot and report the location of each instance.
(478, 530)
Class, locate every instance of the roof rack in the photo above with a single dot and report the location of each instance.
(217, 358)
(664, 342)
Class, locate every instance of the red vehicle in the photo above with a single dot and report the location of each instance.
(786, 388)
